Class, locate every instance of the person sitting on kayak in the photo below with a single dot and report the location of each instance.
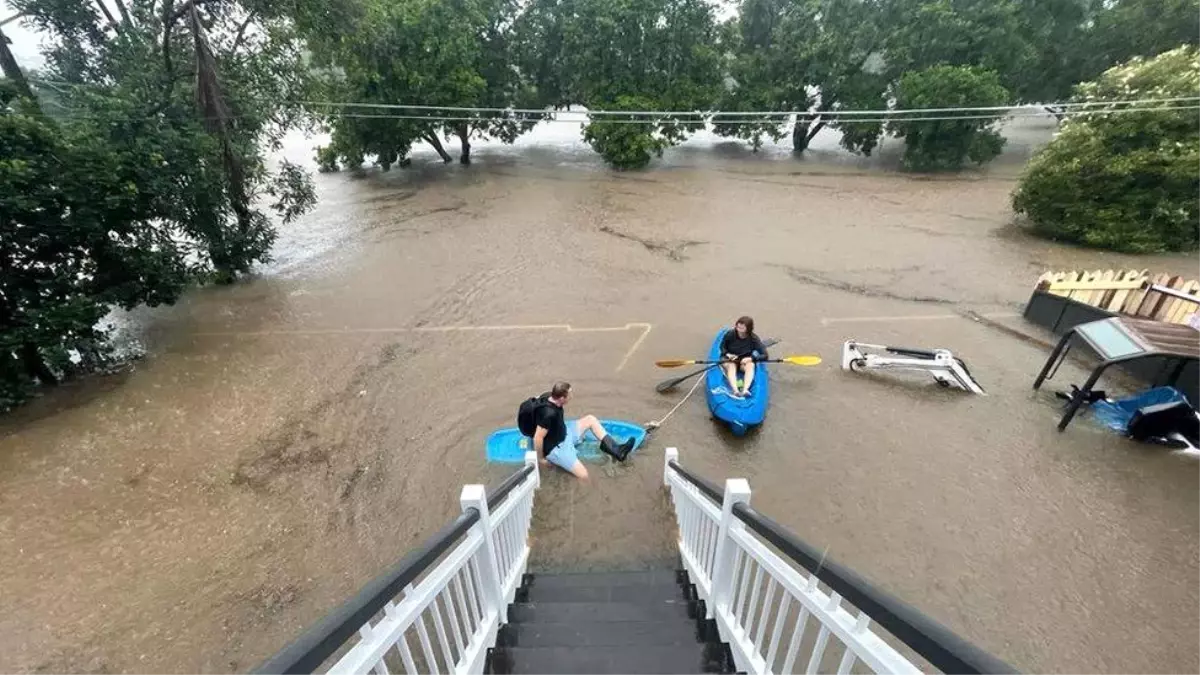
(555, 440)
(741, 347)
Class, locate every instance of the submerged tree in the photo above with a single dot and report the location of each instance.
(436, 55)
(946, 140)
(215, 79)
(823, 57)
(143, 174)
(651, 56)
(813, 56)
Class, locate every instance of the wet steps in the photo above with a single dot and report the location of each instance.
(613, 622)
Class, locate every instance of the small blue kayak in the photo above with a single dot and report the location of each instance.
(508, 446)
(739, 413)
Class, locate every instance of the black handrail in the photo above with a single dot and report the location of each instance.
(496, 496)
(936, 643)
(707, 487)
(319, 642)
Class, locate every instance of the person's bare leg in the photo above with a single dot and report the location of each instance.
(731, 375)
(589, 422)
(747, 374)
(580, 471)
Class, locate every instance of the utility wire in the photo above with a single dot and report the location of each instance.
(751, 113)
(665, 118)
(1067, 105)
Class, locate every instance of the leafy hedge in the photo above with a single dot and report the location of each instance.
(1123, 181)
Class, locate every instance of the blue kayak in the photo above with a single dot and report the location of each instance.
(508, 446)
(739, 413)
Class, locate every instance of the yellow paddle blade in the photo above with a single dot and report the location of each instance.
(674, 363)
(802, 360)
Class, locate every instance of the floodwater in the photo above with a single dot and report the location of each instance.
(288, 437)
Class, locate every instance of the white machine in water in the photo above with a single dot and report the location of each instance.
(948, 370)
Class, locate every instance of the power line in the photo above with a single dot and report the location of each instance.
(1067, 105)
(758, 120)
(754, 113)
(665, 118)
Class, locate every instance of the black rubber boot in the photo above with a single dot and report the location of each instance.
(618, 452)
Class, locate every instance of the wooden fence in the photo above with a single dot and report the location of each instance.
(1165, 298)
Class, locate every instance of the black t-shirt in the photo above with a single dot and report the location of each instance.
(739, 347)
(550, 417)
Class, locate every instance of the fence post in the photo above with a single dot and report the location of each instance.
(672, 456)
(475, 497)
(737, 491)
(531, 460)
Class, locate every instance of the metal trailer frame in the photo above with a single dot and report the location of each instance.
(947, 369)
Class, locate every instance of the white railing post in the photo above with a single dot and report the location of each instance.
(737, 491)
(475, 497)
(672, 455)
(531, 460)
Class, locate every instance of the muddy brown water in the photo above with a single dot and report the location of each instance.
(288, 437)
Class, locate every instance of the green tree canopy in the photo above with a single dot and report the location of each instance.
(429, 53)
(209, 83)
(824, 56)
(818, 55)
(1123, 29)
(651, 55)
(142, 174)
(949, 140)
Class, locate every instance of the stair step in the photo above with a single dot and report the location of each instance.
(640, 593)
(597, 612)
(596, 579)
(667, 659)
(598, 634)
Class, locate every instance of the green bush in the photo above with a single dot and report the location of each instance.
(1125, 181)
(945, 144)
(327, 158)
(623, 144)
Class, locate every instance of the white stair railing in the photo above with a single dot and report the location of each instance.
(447, 614)
(764, 603)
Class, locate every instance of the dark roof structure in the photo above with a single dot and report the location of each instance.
(1117, 340)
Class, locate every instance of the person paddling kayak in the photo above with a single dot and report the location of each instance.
(741, 347)
(555, 440)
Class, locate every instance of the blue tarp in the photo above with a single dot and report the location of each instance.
(1116, 414)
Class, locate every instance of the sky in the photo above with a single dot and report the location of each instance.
(25, 42)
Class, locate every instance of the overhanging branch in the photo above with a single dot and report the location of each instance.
(185, 8)
(241, 33)
(112, 21)
(123, 11)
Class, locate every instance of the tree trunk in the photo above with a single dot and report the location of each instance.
(800, 135)
(814, 131)
(8, 65)
(464, 135)
(35, 366)
(803, 133)
(436, 142)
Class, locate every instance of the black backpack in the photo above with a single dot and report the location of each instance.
(526, 414)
